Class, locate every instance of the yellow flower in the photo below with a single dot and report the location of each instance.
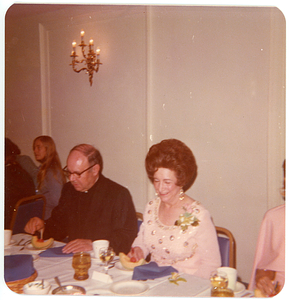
(187, 219)
(175, 278)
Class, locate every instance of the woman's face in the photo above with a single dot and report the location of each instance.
(39, 150)
(165, 185)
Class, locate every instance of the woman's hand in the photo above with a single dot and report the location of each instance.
(135, 254)
(33, 225)
(78, 245)
(264, 281)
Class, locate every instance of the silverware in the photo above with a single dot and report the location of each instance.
(59, 283)
(41, 233)
(18, 244)
(27, 242)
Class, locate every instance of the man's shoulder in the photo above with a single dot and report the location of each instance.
(110, 183)
(113, 188)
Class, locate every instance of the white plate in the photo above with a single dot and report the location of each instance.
(30, 247)
(98, 292)
(239, 288)
(12, 242)
(119, 266)
(128, 288)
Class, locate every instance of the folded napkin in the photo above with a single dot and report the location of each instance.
(151, 271)
(55, 252)
(101, 277)
(18, 267)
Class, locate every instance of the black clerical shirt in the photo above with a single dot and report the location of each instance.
(105, 211)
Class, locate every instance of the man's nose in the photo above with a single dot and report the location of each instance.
(72, 176)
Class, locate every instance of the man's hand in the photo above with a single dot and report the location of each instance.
(33, 225)
(78, 245)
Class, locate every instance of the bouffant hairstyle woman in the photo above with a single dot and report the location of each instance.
(52, 160)
(174, 155)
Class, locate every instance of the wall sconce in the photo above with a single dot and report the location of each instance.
(90, 62)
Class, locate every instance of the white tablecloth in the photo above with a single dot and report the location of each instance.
(49, 267)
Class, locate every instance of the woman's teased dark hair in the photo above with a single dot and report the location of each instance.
(93, 155)
(174, 155)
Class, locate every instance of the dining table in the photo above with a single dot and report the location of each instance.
(121, 283)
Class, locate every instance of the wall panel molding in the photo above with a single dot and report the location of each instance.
(45, 82)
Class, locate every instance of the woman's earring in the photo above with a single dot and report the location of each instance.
(182, 195)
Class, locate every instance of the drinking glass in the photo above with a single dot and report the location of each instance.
(219, 282)
(106, 255)
(81, 263)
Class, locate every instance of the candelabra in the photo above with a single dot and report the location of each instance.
(90, 62)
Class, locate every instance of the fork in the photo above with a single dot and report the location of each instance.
(18, 244)
(41, 233)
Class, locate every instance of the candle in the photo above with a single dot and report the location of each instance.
(90, 44)
(98, 51)
(82, 35)
(74, 45)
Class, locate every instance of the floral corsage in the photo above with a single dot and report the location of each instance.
(187, 218)
(175, 278)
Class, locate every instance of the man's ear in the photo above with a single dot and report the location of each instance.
(96, 169)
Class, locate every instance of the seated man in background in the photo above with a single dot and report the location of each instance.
(18, 183)
(91, 207)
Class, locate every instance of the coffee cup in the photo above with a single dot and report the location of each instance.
(97, 245)
(231, 275)
(7, 237)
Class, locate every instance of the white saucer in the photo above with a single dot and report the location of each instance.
(239, 288)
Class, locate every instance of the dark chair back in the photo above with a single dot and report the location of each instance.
(227, 247)
(25, 209)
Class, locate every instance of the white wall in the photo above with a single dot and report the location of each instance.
(213, 77)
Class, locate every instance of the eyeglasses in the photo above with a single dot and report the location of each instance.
(78, 175)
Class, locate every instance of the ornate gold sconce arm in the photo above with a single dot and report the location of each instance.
(91, 60)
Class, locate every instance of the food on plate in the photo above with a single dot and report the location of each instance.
(129, 264)
(41, 244)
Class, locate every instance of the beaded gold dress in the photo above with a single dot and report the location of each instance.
(192, 249)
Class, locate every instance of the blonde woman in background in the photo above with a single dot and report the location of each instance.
(50, 177)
